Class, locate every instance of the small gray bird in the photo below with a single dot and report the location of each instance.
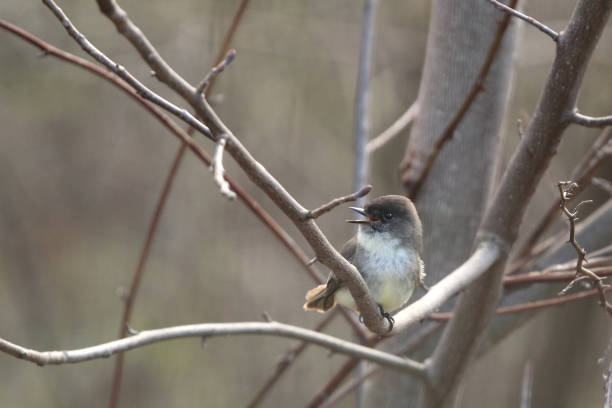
(387, 252)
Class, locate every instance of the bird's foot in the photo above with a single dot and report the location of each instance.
(387, 316)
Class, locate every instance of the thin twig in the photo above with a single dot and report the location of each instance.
(603, 184)
(286, 361)
(325, 252)
(394, 130)
(251, 203)
(582, 174)
(164, 73)
(540, 26)
(219, 172)
(527, 385)
(316, 213)
(216, 70)
(590, 121)
(543, 277)
(608, 387)
(417, 339)
(566, 191)
(528, 306)
(363, 92)
(137, 277)
(206, 330)
(120, 71)
(413, 172)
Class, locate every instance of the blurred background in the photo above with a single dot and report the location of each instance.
(81, 167)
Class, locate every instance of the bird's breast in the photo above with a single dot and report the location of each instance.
(391, 272)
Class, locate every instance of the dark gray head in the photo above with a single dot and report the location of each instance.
(394, 214)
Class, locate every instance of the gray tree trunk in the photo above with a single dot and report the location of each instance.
(453, 198)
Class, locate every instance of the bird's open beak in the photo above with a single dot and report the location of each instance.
(365, 214)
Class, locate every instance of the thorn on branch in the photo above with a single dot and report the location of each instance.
(219, 172)
(567, 190)
(312, 261)
(337, 201)
(266, 317)
(131, 331)
(216, 70)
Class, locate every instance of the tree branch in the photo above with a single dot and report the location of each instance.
(286, 361)
(530, 20)
(206, 330)
(362, 97)
(504, 214)
(395, 129)
(582, 174)
(566, 192)
(216, 70)
(218, 170)
(324, 251)
(413, 171)
(483, 258)
(316, 213)
(589, 121)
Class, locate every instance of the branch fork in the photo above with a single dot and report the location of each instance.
(566, 192)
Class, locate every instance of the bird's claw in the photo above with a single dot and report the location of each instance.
(387, 316)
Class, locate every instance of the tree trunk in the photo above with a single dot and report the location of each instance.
(452, 199)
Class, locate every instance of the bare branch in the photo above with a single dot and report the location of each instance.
(535, 305)
(286, 360)
(481, 260)
(421, 336)
(362, 97)
(128, 29)
(603, 184)
(505, 211)
(258, 174)
(566, 191)
(112, 9)
(608, 387)
(547, 277)
(582, 174)
(414, 170)
(527, 385)
(590, 121)
(395, 129)
(414, 341)
(540, 26)
(120, 71)
(316, 213)
(218, 170)
(216, 70)
(206, 330)
(138, 273)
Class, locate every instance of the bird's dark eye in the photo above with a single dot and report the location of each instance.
(388, 215)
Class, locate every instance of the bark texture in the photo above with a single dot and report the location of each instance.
(452, 200)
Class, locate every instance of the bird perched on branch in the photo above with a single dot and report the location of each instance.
(386, 251)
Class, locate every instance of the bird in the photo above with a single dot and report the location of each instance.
(386, 250)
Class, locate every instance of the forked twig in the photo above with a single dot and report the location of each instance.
(216, 70)
(317, 212)
(566, 191)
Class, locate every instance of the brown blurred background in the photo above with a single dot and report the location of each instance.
(81, 167)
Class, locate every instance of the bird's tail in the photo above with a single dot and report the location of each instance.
(320, 299)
